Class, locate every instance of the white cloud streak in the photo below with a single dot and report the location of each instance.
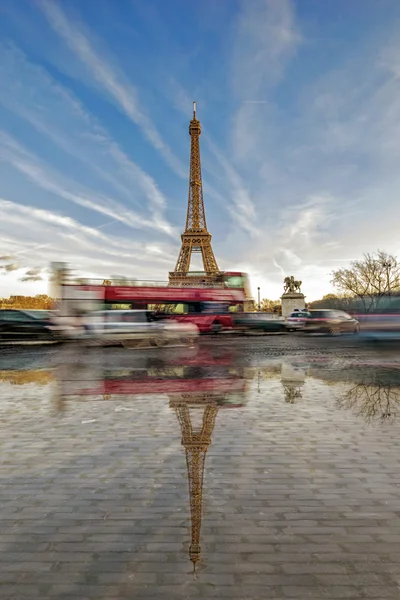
(267, 37)
(110, 78)
(92, 236)
(32, 94)
(46, 178)
(241, 208)
(86, 248)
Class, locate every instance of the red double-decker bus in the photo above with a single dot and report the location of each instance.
(210, 306)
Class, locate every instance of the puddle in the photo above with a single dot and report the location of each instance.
(200, 461)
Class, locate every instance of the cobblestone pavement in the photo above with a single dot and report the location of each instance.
(301, 489)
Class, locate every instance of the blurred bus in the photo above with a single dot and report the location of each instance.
(211, 307)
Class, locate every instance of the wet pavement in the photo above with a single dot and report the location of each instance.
(261, 468)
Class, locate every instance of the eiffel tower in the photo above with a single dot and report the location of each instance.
(196, 237)
(196, 441)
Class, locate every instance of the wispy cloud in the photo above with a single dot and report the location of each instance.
(73, 241)
(110, 78)
(241, 208)
(266, 39)
(48, 179)
(24, 213)
(32, 94)
(267, 36)
(305, 224)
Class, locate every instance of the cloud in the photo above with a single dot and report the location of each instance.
(67, 233)
(305, 224)
(32, 94)
(111, 80)
(48, 179)
(88, 250)
(323, 159)
(266, 38)
(243, 210)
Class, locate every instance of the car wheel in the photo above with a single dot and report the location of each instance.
(187, 341)
(334, 330)
(130, 344)
(158, 342)
(216, 328)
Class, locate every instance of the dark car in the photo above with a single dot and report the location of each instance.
(25, 325)
(259, 321)
(330, 321)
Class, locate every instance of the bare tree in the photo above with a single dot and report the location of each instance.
(369, 279)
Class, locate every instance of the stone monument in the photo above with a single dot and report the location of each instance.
(292, 297)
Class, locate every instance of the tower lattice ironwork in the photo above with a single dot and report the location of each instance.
(196, 441)
(196, 237)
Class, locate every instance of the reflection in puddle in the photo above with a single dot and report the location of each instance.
(199, 386)
(195, 393)
(38, 377)
(196, 441)
(373, 402)
(293, 379)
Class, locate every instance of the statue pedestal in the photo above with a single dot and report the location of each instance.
(290, 301)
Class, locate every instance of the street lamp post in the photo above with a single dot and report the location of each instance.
(388, 266)
(259, 303)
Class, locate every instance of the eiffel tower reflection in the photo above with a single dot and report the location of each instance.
(196, 413)
(196, 439)
(196, 393)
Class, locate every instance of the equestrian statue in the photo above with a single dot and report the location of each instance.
(291, 285)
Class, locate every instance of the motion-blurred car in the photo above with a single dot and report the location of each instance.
(128, 328)
(24, 325)
(333, 322)
(258, 321)
(296, 320)
(384, 326)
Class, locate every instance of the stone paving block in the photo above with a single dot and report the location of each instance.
(318, 592)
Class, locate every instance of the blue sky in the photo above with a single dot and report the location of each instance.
(299, 103)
